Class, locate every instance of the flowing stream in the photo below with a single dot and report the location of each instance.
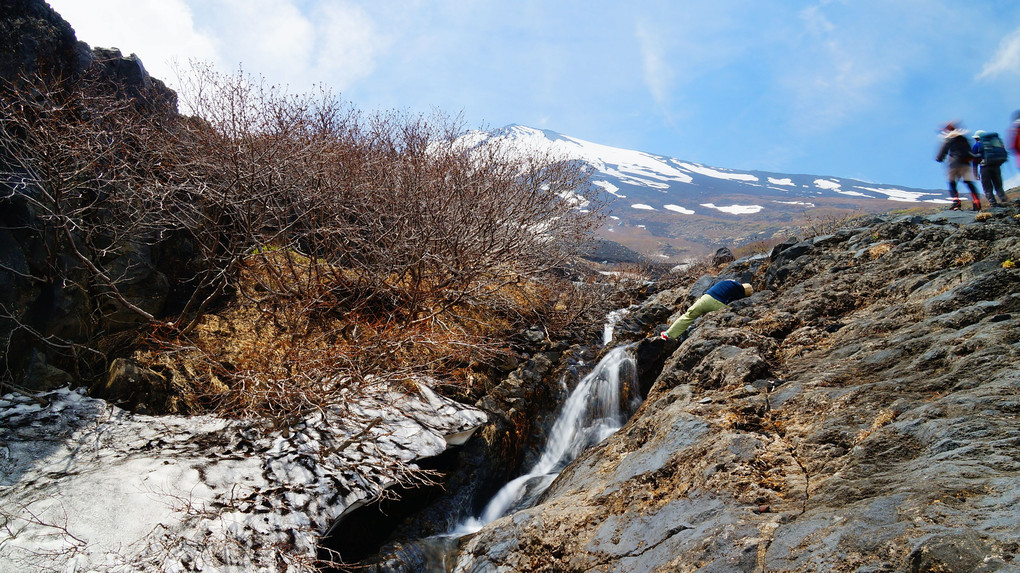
(598, 406)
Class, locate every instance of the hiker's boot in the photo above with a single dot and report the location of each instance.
(957, 205)
(976, 206)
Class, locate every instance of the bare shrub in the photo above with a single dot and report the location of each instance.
(816, 225)
(338, 247)
(81, 189)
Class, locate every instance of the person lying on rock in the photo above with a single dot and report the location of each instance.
(721, 294)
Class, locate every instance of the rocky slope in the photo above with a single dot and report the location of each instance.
(858, 413)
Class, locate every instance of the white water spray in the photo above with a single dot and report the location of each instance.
(595, 409)
(611, 321)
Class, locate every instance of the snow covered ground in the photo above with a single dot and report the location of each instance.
(87, 486)
(655, 181)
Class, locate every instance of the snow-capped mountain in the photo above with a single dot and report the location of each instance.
(668, 207)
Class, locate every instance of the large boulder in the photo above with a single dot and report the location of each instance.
(137, 388)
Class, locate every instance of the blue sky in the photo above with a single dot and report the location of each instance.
(852, 88)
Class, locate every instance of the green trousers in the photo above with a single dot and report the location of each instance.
(703, 305)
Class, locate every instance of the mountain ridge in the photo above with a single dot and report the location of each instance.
(670, 209)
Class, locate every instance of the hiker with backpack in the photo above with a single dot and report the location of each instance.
(991, 154)
(720, 295)
(956, 146)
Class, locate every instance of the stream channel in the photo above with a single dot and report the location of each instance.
(599, 405)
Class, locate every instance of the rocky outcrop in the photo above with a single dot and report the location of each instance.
(50, 310)
(34, 39)
(856, 414)
(137, 388)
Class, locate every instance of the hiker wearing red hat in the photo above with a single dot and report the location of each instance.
(956, 146)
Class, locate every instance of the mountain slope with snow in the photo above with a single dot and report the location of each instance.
(671, 208)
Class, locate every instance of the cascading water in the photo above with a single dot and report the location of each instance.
(598, 406)
(611, 320)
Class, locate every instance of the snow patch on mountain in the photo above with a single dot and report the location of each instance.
(735, 209)
(630, 167)
(610, 188)
(678, 209)
(827, 184)
(896, 194)
(647, 179)
(709, 172)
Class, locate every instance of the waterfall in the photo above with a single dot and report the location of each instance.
(611, 321)
(598, 406)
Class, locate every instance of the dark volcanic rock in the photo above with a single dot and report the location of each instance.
(858, 415)
(50, 302)
(34, 39)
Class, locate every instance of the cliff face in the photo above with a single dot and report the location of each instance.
(36, 40)
(858, 413)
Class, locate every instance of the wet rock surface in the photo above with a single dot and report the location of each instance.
(858, 413)
(521, 406)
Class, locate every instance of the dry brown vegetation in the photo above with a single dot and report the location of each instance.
(318, 248)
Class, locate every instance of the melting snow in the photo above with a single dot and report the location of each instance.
(852, 193)
(709, 172)
(827, 184)
(629, 166)
(87, 486)
(735, 209)
(610, 188)
(678, 209)
(618, 167)
(643, 206)
(897, 194)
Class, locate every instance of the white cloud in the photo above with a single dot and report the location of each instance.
(845, 60)
(1006, 60)
(158, 31)
(816, 21)
(271, 38)
(348, 44)
(656, 71)
(1012, 182)
(287, 41)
